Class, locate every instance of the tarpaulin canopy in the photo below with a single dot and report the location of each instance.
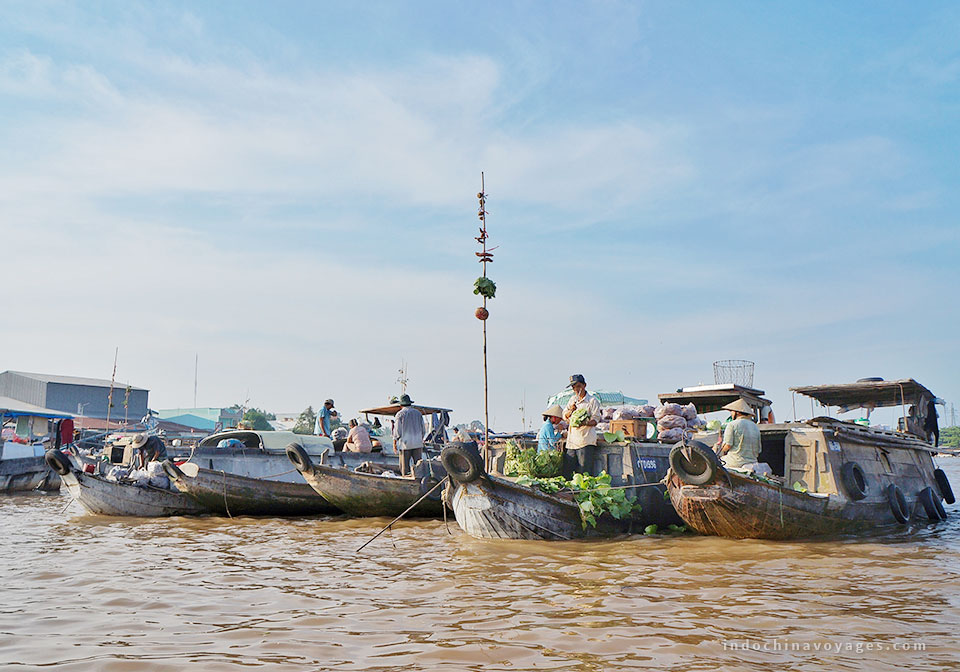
(13, 408)
(393, 409)
(605, 397)
(868, 393)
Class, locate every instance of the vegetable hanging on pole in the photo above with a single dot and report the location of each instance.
(486, 288)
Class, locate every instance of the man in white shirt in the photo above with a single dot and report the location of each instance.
(581, 451)
(408, 434)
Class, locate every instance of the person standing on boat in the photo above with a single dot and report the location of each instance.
(581, 450)
(766, 415)
(358, 440)
(549, 436)
(322, 425)
(931, 428)
(408, 431)
(741, 438)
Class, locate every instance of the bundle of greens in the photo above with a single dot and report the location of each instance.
(532, 463)
(594, 495)
(579, 417)
(485, 287)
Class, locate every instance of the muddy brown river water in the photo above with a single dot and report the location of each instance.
(84, 592)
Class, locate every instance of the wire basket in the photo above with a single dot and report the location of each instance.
(736, 371)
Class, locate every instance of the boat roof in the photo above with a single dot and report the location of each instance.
(871, 393)
(13, 408)
(393, 409)
(710, 398)
(272, 441)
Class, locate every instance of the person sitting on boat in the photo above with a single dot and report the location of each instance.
(358, 440)
(581, 440)
(741, 438)
(549, 436)
(322, 425)
(150, 449)
(408, 432)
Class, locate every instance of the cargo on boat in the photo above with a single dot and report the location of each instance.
(491, 506)
(99, 495)
(819, 477)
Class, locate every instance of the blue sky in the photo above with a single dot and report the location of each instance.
(288, 189)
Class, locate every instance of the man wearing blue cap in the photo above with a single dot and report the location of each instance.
(581, 451)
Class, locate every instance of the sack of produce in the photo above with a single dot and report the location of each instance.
(647, 411)
(671, 435)
(608, 413)
(697, 423)
(689, 412)
(603, 426)
(668, 409)
(671, 422)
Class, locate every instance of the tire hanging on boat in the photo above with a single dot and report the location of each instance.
(943, 485)
(854, 481)
(930, 503)
(299, 457)
(463, 462)
(172, 470)
(898, 503)
(57, 461)
(695, 463)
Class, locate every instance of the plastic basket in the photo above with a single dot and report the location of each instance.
(736, 371)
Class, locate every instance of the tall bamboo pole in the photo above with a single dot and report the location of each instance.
(486, 398)
(112, 378)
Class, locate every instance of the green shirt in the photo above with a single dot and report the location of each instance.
(743, 437)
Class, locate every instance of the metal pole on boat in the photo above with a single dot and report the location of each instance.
(113, 377)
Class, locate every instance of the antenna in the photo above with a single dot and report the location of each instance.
(196, 368)
(402, 379)
(523, 411)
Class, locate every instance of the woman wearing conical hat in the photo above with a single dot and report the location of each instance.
(741, 438)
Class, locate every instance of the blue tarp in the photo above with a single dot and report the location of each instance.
(605, 397)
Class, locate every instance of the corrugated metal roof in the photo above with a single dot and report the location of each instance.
(74, 380)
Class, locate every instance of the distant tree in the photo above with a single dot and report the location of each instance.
(258, 419)
(950, 436)
(305, 422)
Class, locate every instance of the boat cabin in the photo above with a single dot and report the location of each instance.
(436, 421)
(28, 430)
(712, 398)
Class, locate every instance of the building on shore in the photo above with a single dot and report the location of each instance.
(208, 419)
(84, 397)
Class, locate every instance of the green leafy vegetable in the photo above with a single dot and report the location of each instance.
(579, 417)
(594, 495)
(614, 437)
(650, 529)
(485, 287)
(531, 462)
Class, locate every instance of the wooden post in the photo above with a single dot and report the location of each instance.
(112, 378)
(486, 401)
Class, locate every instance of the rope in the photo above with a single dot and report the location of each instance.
(225, 505)
(282, 473)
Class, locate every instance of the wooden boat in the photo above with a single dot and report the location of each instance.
(246, 472)
(487, 506)
(828, 476)
(361, 494)
(22, 465)
(98, 495)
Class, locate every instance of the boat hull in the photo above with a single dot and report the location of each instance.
(27, 473)
(235, 495)
(102, 497)
(369, 495)
(497, 508)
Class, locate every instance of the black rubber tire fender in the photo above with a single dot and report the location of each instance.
(898, 504)
(298, 455)
(943, 485)
(172, 471)
(699, 465)
(931, 505)
(854, 481)
(462, 462)
(57, 461)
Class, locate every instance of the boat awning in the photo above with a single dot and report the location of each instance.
(12, 408)
(872, 394)
(393, 409)
(710, 398)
